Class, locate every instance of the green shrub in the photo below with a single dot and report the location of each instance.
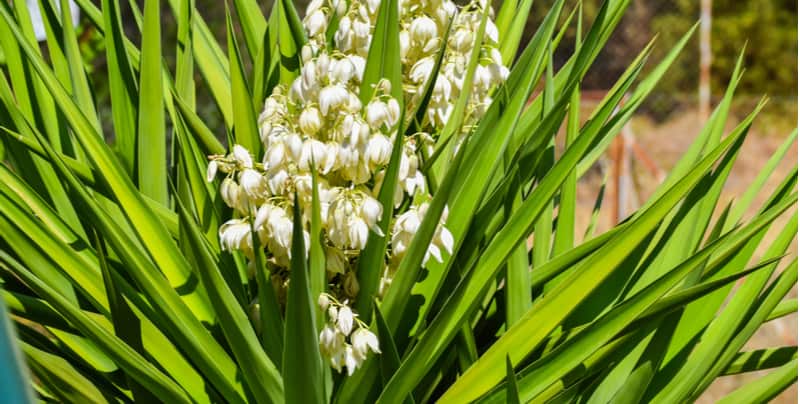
(134, 272)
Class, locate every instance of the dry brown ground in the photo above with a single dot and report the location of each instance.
(665, 143)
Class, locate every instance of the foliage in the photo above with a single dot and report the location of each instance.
(114, 271)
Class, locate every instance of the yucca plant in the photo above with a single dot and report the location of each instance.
(395, 222)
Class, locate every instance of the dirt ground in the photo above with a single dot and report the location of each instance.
(664, 143)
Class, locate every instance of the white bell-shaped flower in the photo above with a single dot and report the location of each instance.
(332, 97)
(423, 29)
(422, 70)
(253, 183)
(344, 321)
(316, 23)
(342, 70)
(242, 156)
(377, 114)
(235, 235)
(310, 121)
(379, 150)
(364, 341)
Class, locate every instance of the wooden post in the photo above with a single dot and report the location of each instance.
(705, 59)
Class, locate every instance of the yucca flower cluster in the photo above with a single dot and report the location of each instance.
(320, 125)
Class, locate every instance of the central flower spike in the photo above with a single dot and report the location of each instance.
(319, 123)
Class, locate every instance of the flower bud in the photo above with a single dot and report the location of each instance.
(335, 261)
(351, 284)
(323, 301)
(306, 53)
(211, 172)
(373, 6)
(446, 239)
(405, 44)
(294, 143)
(361, 29)
(329, 342)
(341, 7)
(394, 111)
(235, 235)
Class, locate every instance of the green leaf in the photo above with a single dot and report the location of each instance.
(271, 320)
(126, 325)
(80, 84)
(725, 325)
(205, 138)
(383, 59)
(318, 282)
(87, 176)
(291, 39)
(555, 365)
(389, 357)
(784, 308)
(150, 230)
(512, 393)
(128, 359)
(261, 375)
(371, 261)
(681, 298)
(253, 24)
(62, 378)
(151, 139)
(564, 238)
(553, 308)
(746, 199)
(543, 229)
(766, 303)
(302, 365)
(245, 127)
(760, 359)
(511, 34)
(182, 323)
(184, 64)
(482, 154)
(34, 104)
(764, 389)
